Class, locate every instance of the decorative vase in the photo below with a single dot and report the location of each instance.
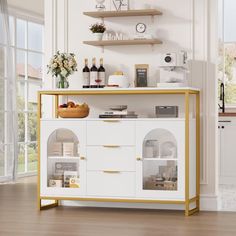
(62, 82)
(98, 36)
(100, 6)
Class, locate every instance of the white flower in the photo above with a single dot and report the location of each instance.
(71, 63)
(60, 58)
(54, 65)
(63, 72)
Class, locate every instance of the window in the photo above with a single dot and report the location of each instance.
(227, 50)
(27, 47)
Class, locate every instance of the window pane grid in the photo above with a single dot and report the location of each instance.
(26, 45)
(31, 81)
(227, 52)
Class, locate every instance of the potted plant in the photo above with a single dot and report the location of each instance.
(98, 29)
(62, 65)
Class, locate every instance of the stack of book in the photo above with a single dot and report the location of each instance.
(118, 114)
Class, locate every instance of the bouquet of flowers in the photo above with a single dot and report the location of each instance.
(62, 64)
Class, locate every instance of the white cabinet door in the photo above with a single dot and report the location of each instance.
(160, 172)
(227, 152)
(62, 144)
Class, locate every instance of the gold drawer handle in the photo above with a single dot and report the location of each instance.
(111, 121)
(139, 159)
(82, 158)
(111, 171)
(111, 146)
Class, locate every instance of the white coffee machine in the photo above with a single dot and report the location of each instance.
(173, 70)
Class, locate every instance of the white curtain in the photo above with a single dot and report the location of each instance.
(8, 113)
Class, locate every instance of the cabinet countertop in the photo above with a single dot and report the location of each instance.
(98, 119)
(117, 91)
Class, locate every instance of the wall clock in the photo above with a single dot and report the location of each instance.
(141, 28)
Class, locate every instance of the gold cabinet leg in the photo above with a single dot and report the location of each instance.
(56, 104)
(48, 206)
(39, 115)
(198, 132)
(187, 154)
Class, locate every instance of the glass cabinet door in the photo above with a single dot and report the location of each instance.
(62, 158)
(161, 169)
(160, 166)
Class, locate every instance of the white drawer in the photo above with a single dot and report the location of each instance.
(111, 158)
(111, 133)
(111, 184)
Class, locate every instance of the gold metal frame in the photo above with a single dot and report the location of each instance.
(186, 92)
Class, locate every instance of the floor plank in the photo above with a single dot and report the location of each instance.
(19, 216)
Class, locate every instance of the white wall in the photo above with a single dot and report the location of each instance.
(185, 25)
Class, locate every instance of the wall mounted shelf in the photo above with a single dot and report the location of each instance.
(123, 42)
(107, 14)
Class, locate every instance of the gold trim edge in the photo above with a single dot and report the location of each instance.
(115, 200)
(118, 92)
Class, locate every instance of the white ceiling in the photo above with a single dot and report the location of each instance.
(34, 6)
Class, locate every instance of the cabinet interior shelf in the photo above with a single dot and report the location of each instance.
(106, 14)
(123, 42)
(160, 159)
(64, 157)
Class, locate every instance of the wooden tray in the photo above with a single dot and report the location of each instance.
(77, 112)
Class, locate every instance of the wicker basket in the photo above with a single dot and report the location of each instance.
(77, 112)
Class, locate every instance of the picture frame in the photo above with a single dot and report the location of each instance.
(141, 75)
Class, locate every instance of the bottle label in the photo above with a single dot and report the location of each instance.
(93, 77)
(86, 78)
(102, 77)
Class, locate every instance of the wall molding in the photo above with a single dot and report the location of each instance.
(54, 26)
(66, 32)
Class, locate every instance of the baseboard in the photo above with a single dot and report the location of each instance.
(208, 202)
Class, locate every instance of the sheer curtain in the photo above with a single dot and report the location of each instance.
(8, 113)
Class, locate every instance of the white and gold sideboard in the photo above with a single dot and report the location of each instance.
(109, 155)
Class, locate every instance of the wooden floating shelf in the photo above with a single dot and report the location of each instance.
(123, 42)
(106, 14)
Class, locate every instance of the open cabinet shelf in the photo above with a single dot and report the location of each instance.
(159, 159)
(106, 14)
(123, 42)
(63, 157)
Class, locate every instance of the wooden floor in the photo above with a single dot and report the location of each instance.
(19, 216)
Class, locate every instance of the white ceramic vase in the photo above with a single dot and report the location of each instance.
(98, 36)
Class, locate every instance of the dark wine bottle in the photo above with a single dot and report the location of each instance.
(94, 75)
(86, 74)
(102, 74)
